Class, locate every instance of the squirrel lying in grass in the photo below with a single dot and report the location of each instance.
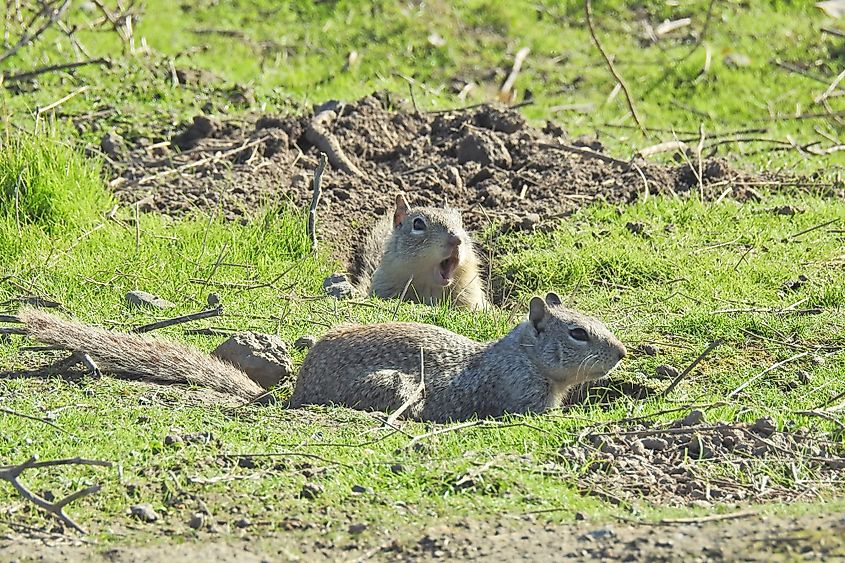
(380, 366)
(423, 255)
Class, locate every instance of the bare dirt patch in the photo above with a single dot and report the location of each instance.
(692, 463)
(486, 160)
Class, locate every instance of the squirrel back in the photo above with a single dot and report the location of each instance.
(136, 356)
(423, 254)
(532, 369)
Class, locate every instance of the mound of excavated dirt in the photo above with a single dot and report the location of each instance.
(485, 160)
(690, 462)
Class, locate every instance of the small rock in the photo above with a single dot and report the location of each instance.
(397, 468)
(654, 443)
(142, 298)
(311, 491)
(485, 149)
(111, 144)
(693, 418)
(637, 447)
(143, 512)
(305, 342)
(580, 516)
(246, 462)
(197, 520)
(172, 439)
(601, 533)
(243, 523)
(357, 528)
(213, 300)
(358, 489)
(646, 350)
(666, 370)
(764, 426)
(803, 376)
(529, 221)
(263, 357)
(635, 227)
(796, 284)
(669, 228)
(737, 60)
(786, 210)
(198, 437)
(338, 286)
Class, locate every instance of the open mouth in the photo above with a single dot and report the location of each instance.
(446, 269)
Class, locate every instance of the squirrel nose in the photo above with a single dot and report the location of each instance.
(622, 351)
(454, 240)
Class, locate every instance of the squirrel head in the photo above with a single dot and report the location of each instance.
(432, 239)
(568, 346)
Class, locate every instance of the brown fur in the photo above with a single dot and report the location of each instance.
(394, 254)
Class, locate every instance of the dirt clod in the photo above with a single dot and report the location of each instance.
(338, 286)
(486, 156)
(667, 371)
(311, 491)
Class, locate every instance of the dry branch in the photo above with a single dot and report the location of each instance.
(16, 77)
(505, 93)
(27, 38)
(216, 312)
(11, 473)
(772, 367)
(315, 199)
(690, 367)
(318, 134)
(588, 11)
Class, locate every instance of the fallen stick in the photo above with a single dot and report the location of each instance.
(315, 199)
(28, 38)
(51, 68)
(660, 148)
(216, 312)
(319, 135)
(588, 11)
(505, 93)
(772, 367)
(690, 367)
(11, 473)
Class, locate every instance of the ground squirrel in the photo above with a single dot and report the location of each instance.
(428, 246)
(378, 367)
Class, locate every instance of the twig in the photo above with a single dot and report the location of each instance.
(690, 367)
(505, 93)
(11, 473)
(315, 199)
(827, 416)
(415, 396)
(6, 330)
(35, 418)
(709, 518)
(824, 95)
(402, 297)
(661, 147)
(216, 312)
(588, 11)
(28, 38)
(318, 134)
(9, 319)
(51, 68)
(773, 367)
(811, 229)
(583, 151)
(456, 427)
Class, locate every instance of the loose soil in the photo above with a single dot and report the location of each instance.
(485, 160)
(741, 535)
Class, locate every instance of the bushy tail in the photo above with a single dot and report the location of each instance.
(135, 356)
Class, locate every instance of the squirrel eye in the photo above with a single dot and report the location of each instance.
(419, 224)
(579, 334)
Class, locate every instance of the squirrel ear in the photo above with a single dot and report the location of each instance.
(401, 211)
(537, 312)
(552, 299)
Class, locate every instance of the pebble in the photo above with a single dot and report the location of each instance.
(338, 286)
(143, 512)
(311, 491)
(140, 298)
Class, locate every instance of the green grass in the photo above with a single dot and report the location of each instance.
(698, 271)
(290, 56)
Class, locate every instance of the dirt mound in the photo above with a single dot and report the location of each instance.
(485, 160)
(692, 463)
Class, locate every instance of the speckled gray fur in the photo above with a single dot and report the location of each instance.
(377, 367)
